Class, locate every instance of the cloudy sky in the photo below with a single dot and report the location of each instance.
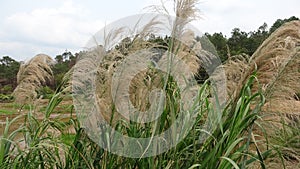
(30, 27)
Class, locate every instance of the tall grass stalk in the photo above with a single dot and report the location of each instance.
(228, 146)
(35, 144)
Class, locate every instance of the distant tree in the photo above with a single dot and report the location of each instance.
(238, 42)
(72, 60)
(8, 71)
(220, 43)
(280, 22)
(59, 59)
(158, 40)
(256, 38)
(67, 55)
(263, 28)
(124, 45)
(64, 62)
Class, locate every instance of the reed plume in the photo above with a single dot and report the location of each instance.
(32, 75)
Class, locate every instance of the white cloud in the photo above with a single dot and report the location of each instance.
(72, 23)
(224, 15)
(21, 51)
(67, 26)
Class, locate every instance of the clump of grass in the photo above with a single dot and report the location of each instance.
(35, 144)
(286, 142)
(31, 76)
(276, 62)
(228, 146)
(7, 144)
(235, 68)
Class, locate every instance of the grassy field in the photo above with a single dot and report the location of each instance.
(49, 143)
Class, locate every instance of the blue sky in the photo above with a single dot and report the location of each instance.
(30, 27)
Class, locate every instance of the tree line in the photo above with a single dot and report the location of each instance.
(243, 42)
(239, 42)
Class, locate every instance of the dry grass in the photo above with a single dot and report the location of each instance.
(31, 76)
(277, 62)
(109, 60)
(235, 68)
(277, 65)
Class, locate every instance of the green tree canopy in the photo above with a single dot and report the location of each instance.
(220, 43)
(280, 22)
(8, 71)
